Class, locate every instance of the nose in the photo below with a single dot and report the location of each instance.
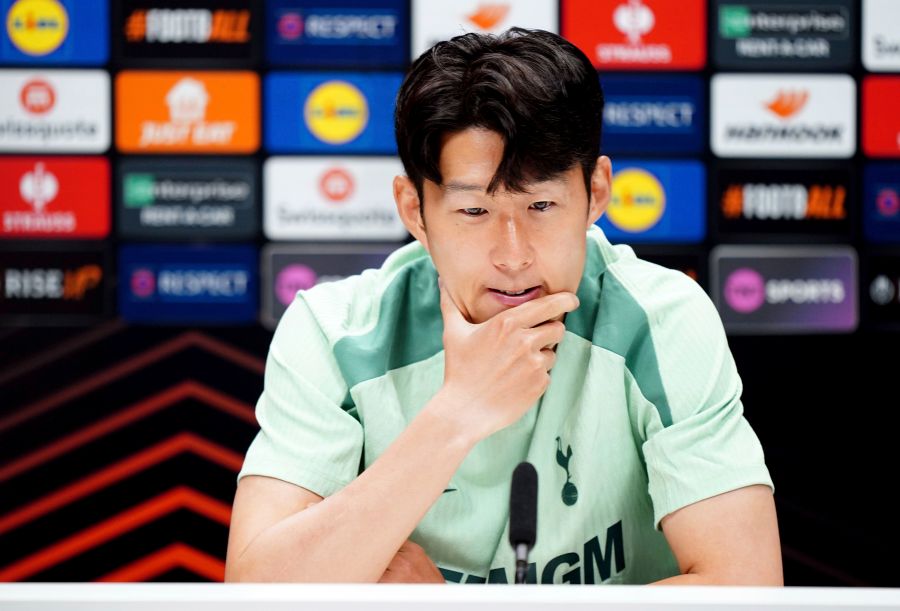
(511, 250)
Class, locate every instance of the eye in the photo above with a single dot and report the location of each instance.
(542, 206)
(473, 211)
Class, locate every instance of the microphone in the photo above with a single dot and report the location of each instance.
(523, 515)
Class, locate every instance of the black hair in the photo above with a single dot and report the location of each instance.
(535, 89)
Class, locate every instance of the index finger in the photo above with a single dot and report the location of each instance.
(540, 310)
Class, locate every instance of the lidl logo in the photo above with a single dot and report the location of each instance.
(638, 200)
(488, 15)
(330, 112)
(37, 27)
(336, 112)
(656, 201)
(788, 103)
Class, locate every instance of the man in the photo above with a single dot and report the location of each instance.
(398, 402)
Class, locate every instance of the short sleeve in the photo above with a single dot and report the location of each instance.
(306, 437)
(698, 445)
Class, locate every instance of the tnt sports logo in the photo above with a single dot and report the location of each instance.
(292, 279)
(638, 200)
(336, 185)
(37, 97)
(336, 112)
(745, 290)
(888, 203)
(37, 27)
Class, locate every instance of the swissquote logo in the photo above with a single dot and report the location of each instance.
(880, 35)
(435, 21)
(54, 111)
(783, 115)
(330, 198)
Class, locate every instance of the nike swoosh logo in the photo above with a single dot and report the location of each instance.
(449, 490)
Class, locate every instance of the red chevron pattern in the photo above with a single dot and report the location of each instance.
(105, 495)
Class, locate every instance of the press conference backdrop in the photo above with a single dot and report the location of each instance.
(172, 172)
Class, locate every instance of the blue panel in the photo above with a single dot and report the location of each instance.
(188, 284)
(290, 97)
(650, 115)
(682, 215)
(881, 202)
(353, 33)
(76, 32)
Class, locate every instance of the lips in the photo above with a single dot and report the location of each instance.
(514, 297)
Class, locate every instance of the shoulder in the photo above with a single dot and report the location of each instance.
(661, 322)
(353, 305)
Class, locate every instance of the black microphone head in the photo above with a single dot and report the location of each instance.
(523, 506)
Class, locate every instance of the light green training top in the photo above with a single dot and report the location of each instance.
(642, 416)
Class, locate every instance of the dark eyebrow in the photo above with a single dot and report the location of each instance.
(454, 186)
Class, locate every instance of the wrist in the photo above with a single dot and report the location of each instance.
(449, 408)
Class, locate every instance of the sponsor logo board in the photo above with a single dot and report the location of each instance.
(795, 35)
(157, 30)
(790, 115)
(288, 268)
(331, 198)
(314, 33)
(656, 201)
(331, 112)
(436, 20)
(50, 111)
(187, 200)
(881, 202)
(40, 287)
(686, 260)
(638, 34)
(784, 199)
(188, 284)
(187, 112)
(880, 119)
(785, 290)
(659, 114)
(54, 32)
(881, 36)
(54, 197)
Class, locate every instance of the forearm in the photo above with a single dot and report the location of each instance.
(352, 535)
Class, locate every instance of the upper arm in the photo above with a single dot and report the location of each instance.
(731, 538)
(261, 502)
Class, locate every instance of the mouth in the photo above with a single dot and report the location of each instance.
(515, 296)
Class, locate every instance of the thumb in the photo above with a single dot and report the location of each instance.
(452, 315)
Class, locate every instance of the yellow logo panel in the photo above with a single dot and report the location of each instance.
(638, 200)
(37, 27)
(336, 112)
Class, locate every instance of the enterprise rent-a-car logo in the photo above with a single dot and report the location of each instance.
(798, 34)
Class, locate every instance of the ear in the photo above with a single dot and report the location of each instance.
(408, 208)
(601, 181)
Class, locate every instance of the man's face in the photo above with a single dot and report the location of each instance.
(488, 246)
